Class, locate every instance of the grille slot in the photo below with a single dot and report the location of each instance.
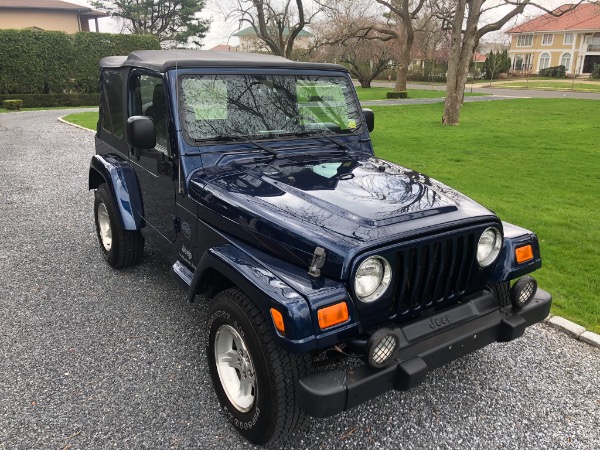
(432, 273)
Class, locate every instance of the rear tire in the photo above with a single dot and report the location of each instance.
(254, 378)
(121, 248)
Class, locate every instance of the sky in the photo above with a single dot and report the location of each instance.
(221, 31)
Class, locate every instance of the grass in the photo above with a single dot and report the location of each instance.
(535, 162)
(379, 93)
(84, 119)
(583, 87)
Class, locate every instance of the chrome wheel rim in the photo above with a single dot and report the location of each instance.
(235, 368)
(104, 226)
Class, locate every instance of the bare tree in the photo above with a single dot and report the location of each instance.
(277, 23)
(464, 18)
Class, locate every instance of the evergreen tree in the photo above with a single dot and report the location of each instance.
(172, 21)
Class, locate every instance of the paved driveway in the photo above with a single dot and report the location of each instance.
(95, 358)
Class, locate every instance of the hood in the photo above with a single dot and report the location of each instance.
(345, 205)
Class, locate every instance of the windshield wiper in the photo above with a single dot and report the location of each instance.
(317, 134)
(240, 139)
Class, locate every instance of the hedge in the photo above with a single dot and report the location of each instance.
(53, 62)
(12, 105)
(556, 72)
(400, 94)
(49, 100)
(596, 71)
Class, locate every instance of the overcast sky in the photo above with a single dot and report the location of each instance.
(220, 31)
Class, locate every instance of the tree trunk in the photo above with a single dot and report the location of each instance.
(460, 58)
(365, 83)
(405, 41)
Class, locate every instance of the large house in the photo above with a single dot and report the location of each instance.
(52, 15)
(570, 38)
(250, 42)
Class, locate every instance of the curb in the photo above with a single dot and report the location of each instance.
(572, 329)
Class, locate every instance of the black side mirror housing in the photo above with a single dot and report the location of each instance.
(141, 132)
(369, 118)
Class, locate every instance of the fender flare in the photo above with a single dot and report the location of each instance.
(123, 184)
(265, 289)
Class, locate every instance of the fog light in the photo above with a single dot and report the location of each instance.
(382, 347)
(522, 292)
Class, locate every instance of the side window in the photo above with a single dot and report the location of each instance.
(149, 100)
(112, 117)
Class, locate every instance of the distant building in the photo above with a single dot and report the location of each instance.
(250, 42)
(225, 48)
(54, 15)
(571, 39)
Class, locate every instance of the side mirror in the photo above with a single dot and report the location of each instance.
(369, 118)
(141, 132)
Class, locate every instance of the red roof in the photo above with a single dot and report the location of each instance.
(585, 16)
(478, 57)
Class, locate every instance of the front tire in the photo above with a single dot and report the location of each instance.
(254, 378)
(121, 248)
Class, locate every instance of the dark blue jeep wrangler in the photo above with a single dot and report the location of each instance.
(255, 177)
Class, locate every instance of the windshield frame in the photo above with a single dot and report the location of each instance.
(182, 74)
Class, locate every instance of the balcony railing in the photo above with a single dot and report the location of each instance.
(593, 48)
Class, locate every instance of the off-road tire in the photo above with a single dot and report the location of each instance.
(502, 292)
(127, 247)
(274, 414)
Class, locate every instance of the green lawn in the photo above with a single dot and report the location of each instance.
(379, 93)
(85, 119)
(536, 162)
(584, 87)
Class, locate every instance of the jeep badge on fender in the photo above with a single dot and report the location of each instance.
(255, 177)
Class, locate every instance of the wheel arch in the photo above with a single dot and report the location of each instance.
(227, 266)
(123, 185)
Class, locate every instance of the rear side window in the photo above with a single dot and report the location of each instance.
(112, 114)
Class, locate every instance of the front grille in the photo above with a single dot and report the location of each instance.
(432, 273)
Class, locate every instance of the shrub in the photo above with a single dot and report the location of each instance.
(555, 72)
(424, 77)
(401, 94)
(13, 105)
(596, 71)
(51, 100)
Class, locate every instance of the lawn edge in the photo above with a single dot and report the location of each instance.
(61, 119)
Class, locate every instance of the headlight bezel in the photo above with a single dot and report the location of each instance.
(495, 248)
(383, 284)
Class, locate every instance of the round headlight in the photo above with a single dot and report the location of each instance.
(372, 278)
(489, 247)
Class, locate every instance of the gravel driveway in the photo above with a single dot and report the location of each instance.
(95, 358)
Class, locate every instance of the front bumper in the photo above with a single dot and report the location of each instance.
(330, 392)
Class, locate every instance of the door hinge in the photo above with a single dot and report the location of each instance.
(177, 224)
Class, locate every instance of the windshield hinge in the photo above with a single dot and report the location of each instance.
(177, 224)
(317, 263)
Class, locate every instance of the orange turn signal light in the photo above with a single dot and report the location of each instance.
(333, 315)
(524, 253)
(278, 320)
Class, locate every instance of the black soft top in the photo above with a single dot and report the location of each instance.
(161, 60)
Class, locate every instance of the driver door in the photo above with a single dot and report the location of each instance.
(154, 167)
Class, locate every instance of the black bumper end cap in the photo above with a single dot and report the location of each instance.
(323, 394)
(511, 328)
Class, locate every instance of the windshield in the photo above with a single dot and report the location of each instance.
(264, 106)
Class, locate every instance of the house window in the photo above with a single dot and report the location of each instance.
(568, 38)
(518, 62)
(544, 61)
(524, 40)
(565, 60)
(547, 39)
